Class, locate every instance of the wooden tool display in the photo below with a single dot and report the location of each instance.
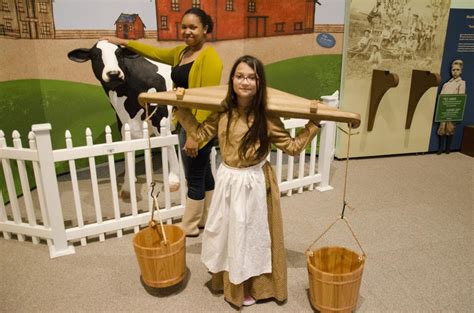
(280, 103)
(382, 81)
(421, 81)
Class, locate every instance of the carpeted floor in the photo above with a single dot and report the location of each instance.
(413, 217)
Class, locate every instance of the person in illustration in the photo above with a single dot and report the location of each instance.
(411, 47)
(375, 15)
(456, 85)
(415, 26)
(194, 64)
(386, 35)
(242, 243)
(363, 42)
(375, 59)
(396, 31)
(401, 47)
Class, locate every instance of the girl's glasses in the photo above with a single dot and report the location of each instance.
(251, 79)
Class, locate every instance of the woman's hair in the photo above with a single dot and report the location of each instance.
(205, 19)
(257, 132)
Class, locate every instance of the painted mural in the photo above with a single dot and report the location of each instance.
(27, 19)
(39, 84)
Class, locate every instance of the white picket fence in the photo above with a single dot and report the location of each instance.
(90, 208)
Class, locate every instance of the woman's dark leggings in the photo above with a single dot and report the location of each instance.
(197, 170)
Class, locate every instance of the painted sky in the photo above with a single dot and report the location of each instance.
(330, 12)
(101, 14)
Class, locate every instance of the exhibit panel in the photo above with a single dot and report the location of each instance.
(455, 104)
(391, 63)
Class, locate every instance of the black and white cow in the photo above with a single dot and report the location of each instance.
(124, 75)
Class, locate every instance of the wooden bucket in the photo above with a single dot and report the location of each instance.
(335, 275)
(162, 264)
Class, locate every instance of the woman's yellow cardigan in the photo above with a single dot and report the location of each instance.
(205, 71)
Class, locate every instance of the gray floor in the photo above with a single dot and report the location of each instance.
(413, 216)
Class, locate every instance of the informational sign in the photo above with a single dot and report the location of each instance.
(326, 40)
(450, 108)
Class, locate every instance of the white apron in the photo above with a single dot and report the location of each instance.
(236, 238)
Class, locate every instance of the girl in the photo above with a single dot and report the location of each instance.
(455, 86)
(242, 243)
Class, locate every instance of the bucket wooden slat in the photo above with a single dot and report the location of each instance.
(162, 265)
(335, 275)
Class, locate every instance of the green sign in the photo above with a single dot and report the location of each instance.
(450, 108)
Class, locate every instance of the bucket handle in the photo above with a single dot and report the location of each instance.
(308, 251)
(152, 222)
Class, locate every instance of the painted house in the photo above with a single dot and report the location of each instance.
(26, 19)
(238, 19)
(129, 26)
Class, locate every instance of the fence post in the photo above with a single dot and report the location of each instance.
(60, 245)
(326, 145)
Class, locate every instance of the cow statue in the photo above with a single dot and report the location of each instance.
(124, 75)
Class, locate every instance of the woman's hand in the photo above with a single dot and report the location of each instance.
(115, 40)
(191, 147)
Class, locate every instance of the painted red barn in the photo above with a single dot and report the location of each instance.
(238, 19)
(129, 26)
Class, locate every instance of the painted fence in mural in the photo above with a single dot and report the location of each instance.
(85, 205)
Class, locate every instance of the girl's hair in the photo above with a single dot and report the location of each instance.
(458, 62)
(257, 132)
(205, 19)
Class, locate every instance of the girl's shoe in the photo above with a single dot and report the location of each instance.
(248, 301)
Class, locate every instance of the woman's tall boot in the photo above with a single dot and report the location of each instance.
(192, 215)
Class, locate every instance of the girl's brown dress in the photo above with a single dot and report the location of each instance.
(274, 284)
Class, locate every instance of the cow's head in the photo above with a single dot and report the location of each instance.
(107, 62)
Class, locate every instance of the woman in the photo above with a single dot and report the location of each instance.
(194, 64)
(242, 243)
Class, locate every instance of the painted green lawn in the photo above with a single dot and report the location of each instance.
(309, 77)
(65, 105)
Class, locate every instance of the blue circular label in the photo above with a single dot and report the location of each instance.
(326, 40)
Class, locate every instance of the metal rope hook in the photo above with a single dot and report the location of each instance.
(152, 186)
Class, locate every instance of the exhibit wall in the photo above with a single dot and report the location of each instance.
(36, 73)
(39, 84)
(391, 71)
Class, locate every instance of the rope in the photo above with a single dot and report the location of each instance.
(354, 235)
(324, 233)
(347, 168)
(345, 204)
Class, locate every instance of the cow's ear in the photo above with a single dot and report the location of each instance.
(129, 54)
(80, 55)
